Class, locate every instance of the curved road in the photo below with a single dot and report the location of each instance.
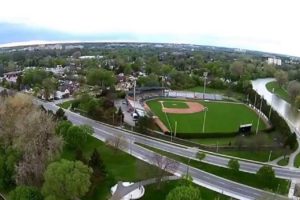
(200, 177)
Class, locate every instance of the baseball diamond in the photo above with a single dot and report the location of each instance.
(222, 117)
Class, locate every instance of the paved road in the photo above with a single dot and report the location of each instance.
(101, 129)
(200, 177)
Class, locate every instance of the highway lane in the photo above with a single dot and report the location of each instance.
(282, 172)
(200, 177)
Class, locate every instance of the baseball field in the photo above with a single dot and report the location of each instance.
(189, 115)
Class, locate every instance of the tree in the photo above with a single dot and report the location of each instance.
(184, 193)
(165, 165)
(117, 142)
(77, 135)
(237, 69)
(101, 77)
(281, 77)
(144, 123)
(49, 85)
(66, 180)
(60, 114)
(234, 164)
(34, 77)
(293, 89)
(297, 101)
(266, 175)
(62, 128)
(25, 193)
(291, 141)
(201, 155)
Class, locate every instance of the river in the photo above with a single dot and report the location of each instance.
(290, 114)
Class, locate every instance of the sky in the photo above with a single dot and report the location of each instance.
(266, 25)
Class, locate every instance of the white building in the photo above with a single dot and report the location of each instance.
(274, 61)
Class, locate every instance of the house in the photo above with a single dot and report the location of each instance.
(62, 94)
(274, 61)
(12, 76)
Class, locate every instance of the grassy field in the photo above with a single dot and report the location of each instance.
(283, 162)
(66, 104)
(125, 167)
(279, 91)
(221, 117)
(153, 193)
(281, 186)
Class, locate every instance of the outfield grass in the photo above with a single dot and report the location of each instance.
(280, 185)
(279, 91)
(152, 193)
(221, 117)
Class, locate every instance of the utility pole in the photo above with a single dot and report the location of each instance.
(205, 77)
(203, 128)
(271, 104)
(270, 156)
(134, 85)
(259, 114)
(175, 129)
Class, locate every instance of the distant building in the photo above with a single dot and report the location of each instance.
(274, 61)
(12, 76)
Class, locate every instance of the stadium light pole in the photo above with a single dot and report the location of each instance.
(205, 77)
(271, 105)
(175, 129)
(259, 114)
(203, 128)
(134, 85)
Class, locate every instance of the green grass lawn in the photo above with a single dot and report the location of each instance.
(221, 117)
(279, 91)
(125, 167)
(153, 193)
(297, 161)
(66, 104)
(175, 104)
(280, 185)
(122, 166)
(283, 162)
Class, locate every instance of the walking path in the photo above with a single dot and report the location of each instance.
(294, 154)
(122, 190)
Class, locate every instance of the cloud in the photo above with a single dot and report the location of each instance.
(263, 25)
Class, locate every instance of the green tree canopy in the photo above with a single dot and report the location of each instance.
(184, 193)
(266, 174)
(34, 77)
(101, 77)
(25, 193)
(234, 164)
(66, 180)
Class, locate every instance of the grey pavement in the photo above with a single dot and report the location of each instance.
(127, 115)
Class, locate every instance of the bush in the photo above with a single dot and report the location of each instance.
(266, 175)
(234, 164)
(201, 155)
